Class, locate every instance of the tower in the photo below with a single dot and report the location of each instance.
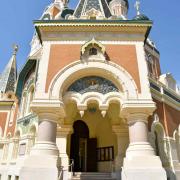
(119, 8)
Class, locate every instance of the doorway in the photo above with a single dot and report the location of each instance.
(83, 148)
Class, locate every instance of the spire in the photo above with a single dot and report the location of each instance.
(9, 76)
(139, 16)
(137, 6)
(92, 8)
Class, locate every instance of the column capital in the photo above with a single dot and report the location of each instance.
(137, 109)
(137, 117)
(48, 109)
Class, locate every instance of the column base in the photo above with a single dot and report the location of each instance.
(140, 149)
(141, 164)
(42, 163)
(143, 168)
(143, 174)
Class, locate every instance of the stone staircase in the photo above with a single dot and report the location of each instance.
(92, 176)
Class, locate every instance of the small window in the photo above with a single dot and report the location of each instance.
(105, 154)
(16, 177)
(93, 51)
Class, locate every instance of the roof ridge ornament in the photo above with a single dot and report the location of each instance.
(137, 6)
(15, 49)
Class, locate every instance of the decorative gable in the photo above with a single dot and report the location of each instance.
(93, 50)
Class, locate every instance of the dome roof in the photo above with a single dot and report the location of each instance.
(141, 17)
(67, 11)
(126, 1)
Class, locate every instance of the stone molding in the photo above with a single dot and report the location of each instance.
(126, 82)
(137, 110)
(51, 110)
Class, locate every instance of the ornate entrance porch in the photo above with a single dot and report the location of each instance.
(108, 114)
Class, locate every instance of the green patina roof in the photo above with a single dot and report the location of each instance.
(141, 17)
(22, 75)
(67, 12)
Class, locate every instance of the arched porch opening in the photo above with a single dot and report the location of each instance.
(106, 147)
(79, 146)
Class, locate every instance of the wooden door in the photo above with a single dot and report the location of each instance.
(91, 155)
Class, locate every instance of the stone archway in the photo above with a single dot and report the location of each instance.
(119, 76)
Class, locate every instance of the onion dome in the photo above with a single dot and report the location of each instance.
(67, 12)
(126, 1)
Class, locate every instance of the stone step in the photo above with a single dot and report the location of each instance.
(92, 176)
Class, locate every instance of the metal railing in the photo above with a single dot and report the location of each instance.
(68, 168)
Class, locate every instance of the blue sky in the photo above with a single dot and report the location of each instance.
(17, 27)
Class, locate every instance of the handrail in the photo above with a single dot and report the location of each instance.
(61, 169)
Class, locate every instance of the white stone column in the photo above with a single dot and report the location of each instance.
(43, 159)
(122, 144)
(141, 163)
(138, 135)
(46, 139)
(62, 134)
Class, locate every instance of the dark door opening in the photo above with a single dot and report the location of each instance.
(83, 149)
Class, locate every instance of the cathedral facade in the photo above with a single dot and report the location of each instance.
(90, 102)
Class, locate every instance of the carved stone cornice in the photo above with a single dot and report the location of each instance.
(50, 109)
(137, 109)
(113, 26)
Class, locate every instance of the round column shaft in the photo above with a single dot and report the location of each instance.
(138, 135)
(46, 140)
(47, 131)
(138, 131)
